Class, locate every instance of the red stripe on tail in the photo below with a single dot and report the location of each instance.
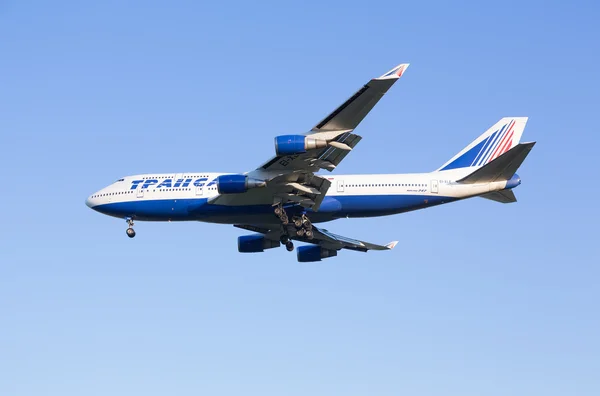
(509, 132)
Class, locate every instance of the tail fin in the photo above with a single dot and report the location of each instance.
(501, 169)
(497, 140)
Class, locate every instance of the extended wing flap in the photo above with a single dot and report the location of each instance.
(337, 127)
(321, 237)
(333, 241)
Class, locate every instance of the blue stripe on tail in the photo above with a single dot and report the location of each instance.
(465, 160)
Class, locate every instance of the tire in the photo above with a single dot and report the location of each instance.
(300, 232)
(309, 234)
(298, 222)
(289, 246)
(130, 232)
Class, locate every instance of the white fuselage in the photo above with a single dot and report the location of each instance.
(187, 196)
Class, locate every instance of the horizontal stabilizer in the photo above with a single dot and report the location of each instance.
(503, 196)
(502, 168)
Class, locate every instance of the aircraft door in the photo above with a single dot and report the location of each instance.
(340, 186)
(178, 178)
(200, 188)
(434, 187)
(140, 191)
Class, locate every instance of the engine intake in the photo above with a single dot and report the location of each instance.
(296, 144)
(255, 243)
(236, 184)
(308, 254)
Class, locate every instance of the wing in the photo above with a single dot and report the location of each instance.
(337, 128)
(323, 238)
(291, 179)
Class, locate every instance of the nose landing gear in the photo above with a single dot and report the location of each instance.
(130, 231)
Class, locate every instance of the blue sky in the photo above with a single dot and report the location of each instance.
(477, 298)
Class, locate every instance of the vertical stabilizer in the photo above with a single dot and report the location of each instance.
(497, 140)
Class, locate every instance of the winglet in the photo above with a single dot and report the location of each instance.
(395, 73)
(391, 245)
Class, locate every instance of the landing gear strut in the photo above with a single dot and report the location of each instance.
(130, 231)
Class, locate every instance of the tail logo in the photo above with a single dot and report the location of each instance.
(397, 71)
(487, 149)
(495, 145)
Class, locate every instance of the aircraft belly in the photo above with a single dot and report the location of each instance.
(333, 207)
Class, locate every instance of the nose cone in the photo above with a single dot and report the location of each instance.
(90, 202)
(513, 182)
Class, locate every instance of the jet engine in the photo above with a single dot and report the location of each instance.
(255, 243)
(236, 184)
(314, 253)
(296, 144)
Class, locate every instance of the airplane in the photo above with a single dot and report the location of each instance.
(281, 200)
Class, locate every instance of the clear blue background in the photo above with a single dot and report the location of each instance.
(478, 298)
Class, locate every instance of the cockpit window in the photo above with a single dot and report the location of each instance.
(120, 180)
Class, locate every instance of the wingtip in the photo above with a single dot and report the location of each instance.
(396, 72)
(391, 245)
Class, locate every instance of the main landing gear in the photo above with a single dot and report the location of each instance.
(303, 226)
(289, 246)
(283, 217)
(130, 231)
(280, 212)
(285, 239)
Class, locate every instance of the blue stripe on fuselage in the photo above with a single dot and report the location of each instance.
(332, 207)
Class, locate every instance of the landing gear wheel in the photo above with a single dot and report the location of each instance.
(309, 234)
(130, 231)
(284, 239)
(300, 232)
(298, 222)
(280, 212)
(289, 246)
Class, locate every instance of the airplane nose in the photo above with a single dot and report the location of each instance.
(88, 202)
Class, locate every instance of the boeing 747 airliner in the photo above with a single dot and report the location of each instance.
(281, 200)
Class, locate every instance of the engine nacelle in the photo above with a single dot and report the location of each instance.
(236, 184)
(307, 254)
(255, 243)
(296, 144)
